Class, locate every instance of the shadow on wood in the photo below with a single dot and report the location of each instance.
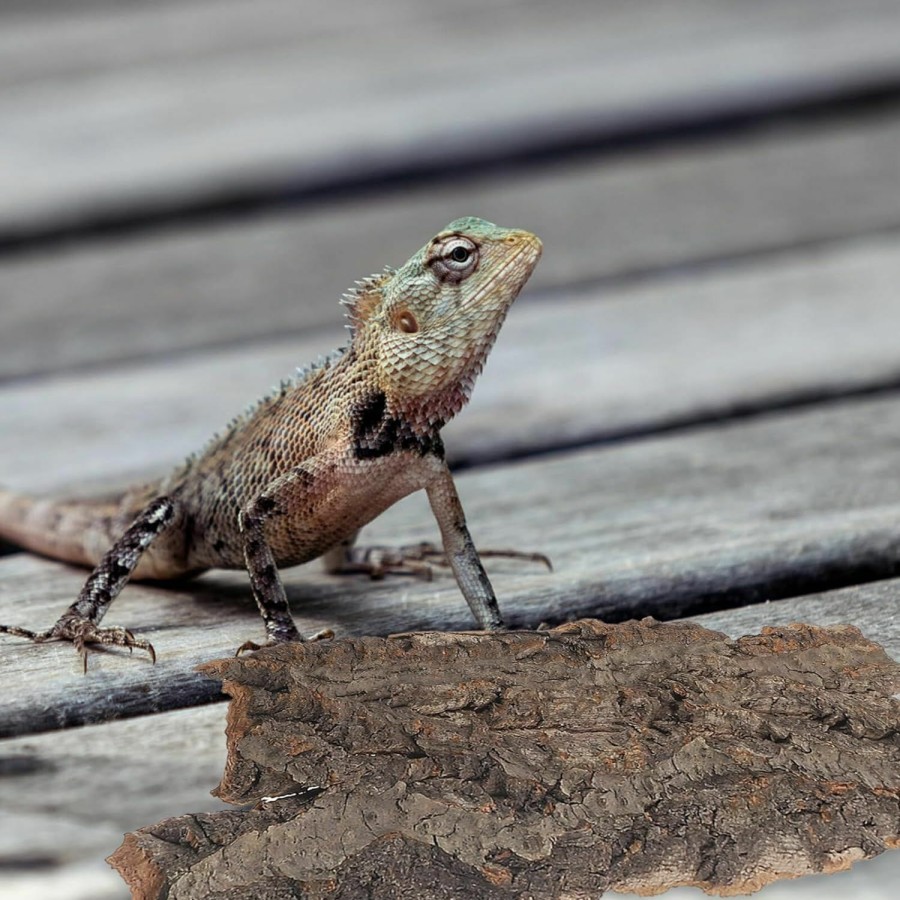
(556, 763)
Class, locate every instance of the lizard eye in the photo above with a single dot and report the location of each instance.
(456, 259)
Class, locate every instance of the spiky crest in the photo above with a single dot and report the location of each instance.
(363, 299)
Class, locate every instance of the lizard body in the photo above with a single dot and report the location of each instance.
(298, 475)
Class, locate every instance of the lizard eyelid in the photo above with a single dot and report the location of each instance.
(457, 258)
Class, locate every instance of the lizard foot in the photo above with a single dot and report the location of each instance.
(82, 632)
(417, 560)
(326, 634)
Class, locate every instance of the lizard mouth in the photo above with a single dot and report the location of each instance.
(523, 259)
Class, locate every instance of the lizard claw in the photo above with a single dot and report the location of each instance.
(249, 647)
(326, 634)
(82, 632)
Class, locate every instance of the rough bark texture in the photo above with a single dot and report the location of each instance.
(541, 764)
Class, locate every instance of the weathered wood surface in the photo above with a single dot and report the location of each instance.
(97, 782)
(115, 110)
(587, 366)
(722, 516)
(600, 218)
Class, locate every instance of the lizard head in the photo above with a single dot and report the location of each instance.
(430, 324)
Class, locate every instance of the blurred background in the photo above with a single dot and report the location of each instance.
(186, 189)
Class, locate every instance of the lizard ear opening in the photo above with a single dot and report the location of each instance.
(405, 321)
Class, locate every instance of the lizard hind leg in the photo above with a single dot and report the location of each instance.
(80, 622)
(458, 553)
(418, 560)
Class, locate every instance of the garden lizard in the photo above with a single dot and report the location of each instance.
(297, 475)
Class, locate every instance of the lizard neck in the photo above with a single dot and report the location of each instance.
(428, 409)
(427, 414)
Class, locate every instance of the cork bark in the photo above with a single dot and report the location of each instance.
(559, 763)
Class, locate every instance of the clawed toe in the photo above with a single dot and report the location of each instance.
(413, 559)
(326, 634)
(419, 560)
(518, 554)
(249, 647)
(15, 631)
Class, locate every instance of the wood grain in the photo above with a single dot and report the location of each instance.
(721, 517)
(168, 292)
(142, 108)
(583, 366)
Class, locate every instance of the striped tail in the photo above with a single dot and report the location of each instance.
(75, 531)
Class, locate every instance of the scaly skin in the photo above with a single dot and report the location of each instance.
(298, 475)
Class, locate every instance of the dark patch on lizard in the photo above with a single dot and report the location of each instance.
(264, 505)
(262, 508)
(377, 434)
(268, 575)
(116, 570)
(190, 534)
(423, 444)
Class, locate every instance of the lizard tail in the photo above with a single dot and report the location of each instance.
(75, 531)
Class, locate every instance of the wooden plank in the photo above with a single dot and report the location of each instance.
(722, 516)
(648, 356)
(99, 781)
(67, 798)
(141, 108)
(161, 293)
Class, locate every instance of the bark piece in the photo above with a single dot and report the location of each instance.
(555, 764)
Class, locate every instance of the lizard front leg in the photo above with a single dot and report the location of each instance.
(265, 582)
(461, 552)
(79, 623)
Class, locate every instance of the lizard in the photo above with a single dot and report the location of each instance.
(296, 476)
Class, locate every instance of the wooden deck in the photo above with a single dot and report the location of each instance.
(694, 409)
